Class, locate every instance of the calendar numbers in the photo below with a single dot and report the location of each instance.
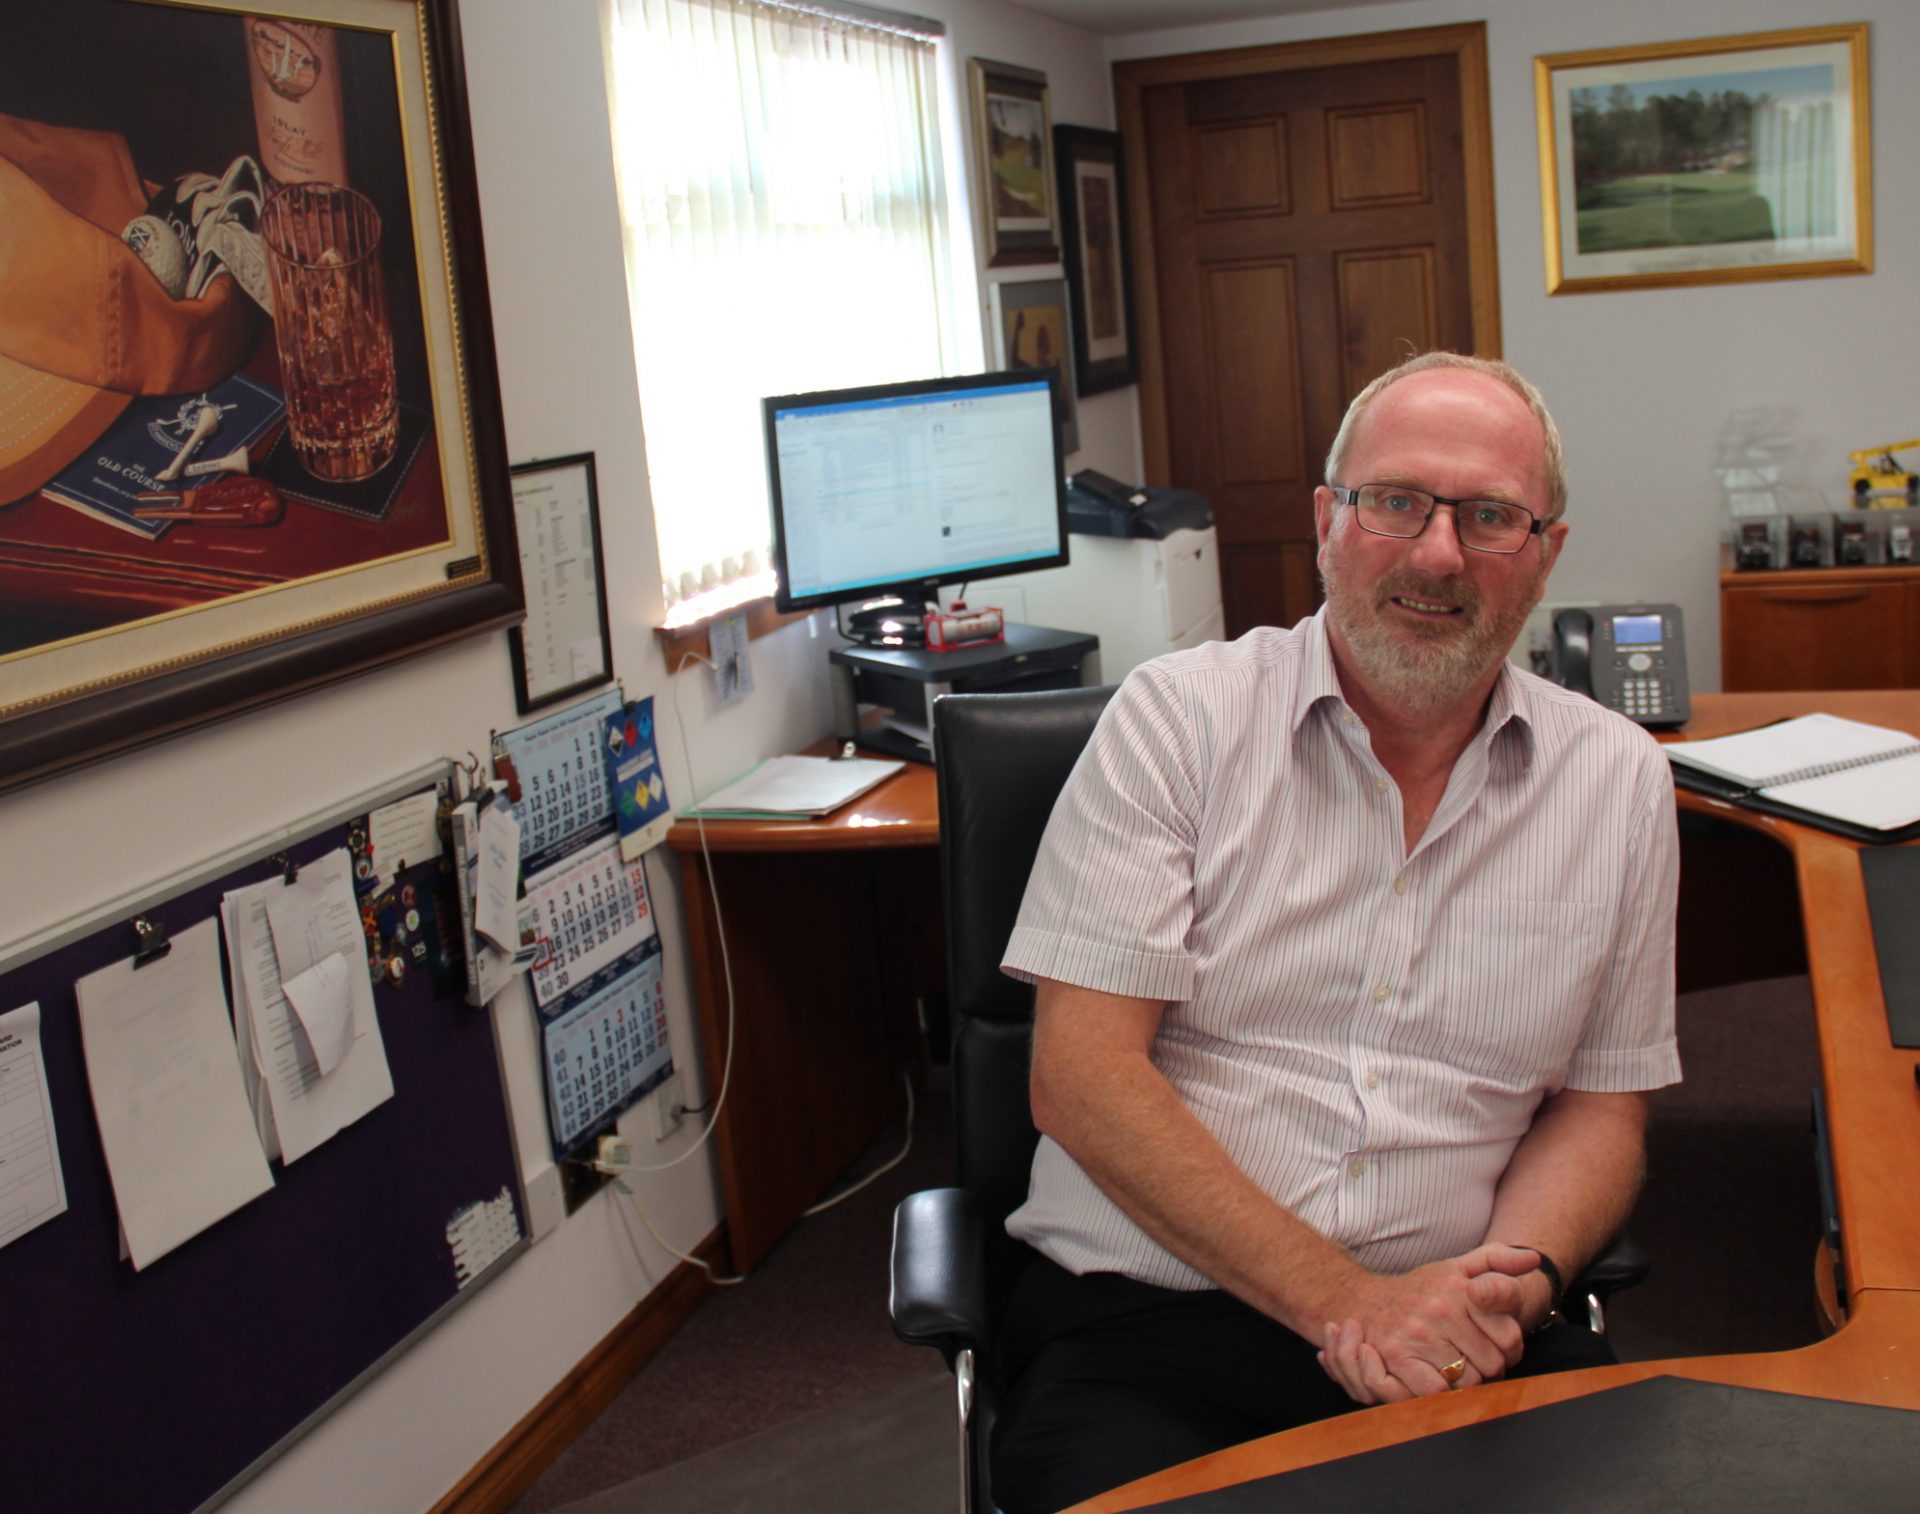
(608, 1047)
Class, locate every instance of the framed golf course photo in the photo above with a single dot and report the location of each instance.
(1013, 162)
(1720, 160)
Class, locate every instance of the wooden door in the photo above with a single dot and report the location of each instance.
(1310, 222)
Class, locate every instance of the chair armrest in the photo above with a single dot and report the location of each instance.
(939, 1289)
(1622, 1264)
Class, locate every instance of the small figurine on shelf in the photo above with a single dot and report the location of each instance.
(1804, 549)
(1900, 543)
(1852, 550)
(1754, 549)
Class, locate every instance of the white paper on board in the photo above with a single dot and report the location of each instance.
(173, 1116)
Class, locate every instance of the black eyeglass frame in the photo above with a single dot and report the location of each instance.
(1351, 497)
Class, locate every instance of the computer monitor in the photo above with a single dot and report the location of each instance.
(883, 494)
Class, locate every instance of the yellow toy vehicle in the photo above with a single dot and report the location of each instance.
(1880, 482)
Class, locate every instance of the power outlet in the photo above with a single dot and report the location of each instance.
(580, 1179)
(546, 1201)
(668, 1109)
(732, 673)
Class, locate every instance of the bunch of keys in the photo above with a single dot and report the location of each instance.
(237, 500)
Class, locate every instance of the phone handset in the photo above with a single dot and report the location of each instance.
(1573, 649)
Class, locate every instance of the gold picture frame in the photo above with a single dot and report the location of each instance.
(1013, 162)
(1713, 161)
(113, 635)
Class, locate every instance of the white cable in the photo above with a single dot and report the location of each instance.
(700, 1262)
(720, 935)
(900, 1157)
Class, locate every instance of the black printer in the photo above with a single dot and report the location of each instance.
(1101, 506)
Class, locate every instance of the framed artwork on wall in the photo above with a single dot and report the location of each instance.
(1722, 160)
(564, 646)
(1013, 162)
(295, 470)
(1093, 227)
(1033, 328)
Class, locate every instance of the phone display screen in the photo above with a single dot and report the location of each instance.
(1636, 630)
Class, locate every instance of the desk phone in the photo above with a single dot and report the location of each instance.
(1631, 658)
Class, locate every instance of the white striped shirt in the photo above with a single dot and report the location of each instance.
(1367, 1033)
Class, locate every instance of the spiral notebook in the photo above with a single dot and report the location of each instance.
(1844, 775)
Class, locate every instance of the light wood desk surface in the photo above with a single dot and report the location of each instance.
(1873, 1112)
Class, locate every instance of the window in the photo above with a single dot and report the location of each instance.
(785, 223)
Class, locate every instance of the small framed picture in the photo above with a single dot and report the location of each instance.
(1013, 161)
(1714, 161)
(564, 647)
(1033, 328)
(1093, 227)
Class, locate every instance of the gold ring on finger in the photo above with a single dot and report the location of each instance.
(1454, 1371)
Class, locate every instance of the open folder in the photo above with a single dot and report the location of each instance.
(1860, 780)
(795, 788)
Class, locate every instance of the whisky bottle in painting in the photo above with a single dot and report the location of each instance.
(295, 69)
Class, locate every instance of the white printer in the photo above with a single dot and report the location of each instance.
(1145, 574)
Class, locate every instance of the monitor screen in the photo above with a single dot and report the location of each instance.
(904, 487)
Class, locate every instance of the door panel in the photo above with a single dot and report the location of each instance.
(1240, 170)
(1309, 229)
(1254, 395)
(1378, 156)
(1387, 298)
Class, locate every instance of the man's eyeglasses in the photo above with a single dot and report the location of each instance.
(1485, 525)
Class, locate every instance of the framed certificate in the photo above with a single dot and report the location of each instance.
(564, 646)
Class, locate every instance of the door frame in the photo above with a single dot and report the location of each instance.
(1465, 43)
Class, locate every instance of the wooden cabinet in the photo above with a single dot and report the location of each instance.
(1820, 628)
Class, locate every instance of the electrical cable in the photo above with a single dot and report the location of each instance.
(720, 935)
(701, 1262)
(898, 1158)
(617, 1171)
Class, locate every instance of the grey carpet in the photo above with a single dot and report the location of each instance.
(891, 1452)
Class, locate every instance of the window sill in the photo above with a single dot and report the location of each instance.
(690, 640)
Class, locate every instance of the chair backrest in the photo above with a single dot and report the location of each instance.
(1000, 761)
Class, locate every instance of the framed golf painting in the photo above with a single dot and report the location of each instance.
(1720, 160)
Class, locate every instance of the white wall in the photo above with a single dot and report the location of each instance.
(559, 304)
(1642, 382)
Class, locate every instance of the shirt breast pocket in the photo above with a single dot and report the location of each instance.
(1514, 985)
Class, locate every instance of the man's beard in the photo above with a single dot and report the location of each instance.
(1424, 665)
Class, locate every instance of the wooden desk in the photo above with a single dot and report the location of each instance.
(1873, 1113)
(833, 931)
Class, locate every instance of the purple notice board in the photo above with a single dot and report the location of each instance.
(159, 1390)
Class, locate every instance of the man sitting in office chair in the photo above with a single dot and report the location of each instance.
(1354, 955)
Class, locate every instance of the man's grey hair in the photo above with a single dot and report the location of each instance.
(1493, 368)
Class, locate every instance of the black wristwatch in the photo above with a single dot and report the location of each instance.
(1556, 1283)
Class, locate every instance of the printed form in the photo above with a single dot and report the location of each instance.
(32, 1187)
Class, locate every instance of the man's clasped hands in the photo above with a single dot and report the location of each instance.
(1449, 1324)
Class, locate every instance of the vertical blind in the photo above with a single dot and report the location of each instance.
(785, 224)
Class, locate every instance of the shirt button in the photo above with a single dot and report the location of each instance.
(1379, 785)
(1373, 1080)
(1380, 992)
(1356, 1167)
(1399, 885)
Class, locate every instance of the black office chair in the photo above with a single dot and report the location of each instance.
(1000, 761)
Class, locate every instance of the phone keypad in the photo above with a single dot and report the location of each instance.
(1643, 698)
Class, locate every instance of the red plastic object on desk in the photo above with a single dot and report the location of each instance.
(950, 630)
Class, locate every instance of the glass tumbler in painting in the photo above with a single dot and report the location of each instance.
(330, 318)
